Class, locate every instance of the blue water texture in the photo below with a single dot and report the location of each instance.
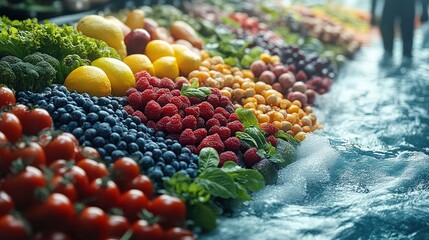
(366, 174)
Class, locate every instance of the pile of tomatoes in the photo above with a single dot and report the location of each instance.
(52, 188)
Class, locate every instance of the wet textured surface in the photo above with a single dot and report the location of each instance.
(366, 174)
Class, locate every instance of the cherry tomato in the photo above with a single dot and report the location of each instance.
(64, 186)
(177, 233)
(118, 226)
(13, 228)
(35, 120)
(19, 110)
(55, 213)
(60, 166)
(7, 155)
(93, 169)
(76, 174)
(6, 203)
(7, 97)
(124, 170)
(87, 152)
(10, 126)
(170, 209)
(32, 153)
(142, 183)
(51, 235)
(61, 147)
(93, 224)
(3, 138)
(104, 193)
(143, 230)
(21, 186)
(133, 202)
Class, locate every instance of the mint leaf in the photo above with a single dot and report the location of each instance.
(247, 138)
(249, 178)
(258, 135)
(203, 216)
(218, 183)
(287, 137)
(247, 118)
(242, 193)
(208, 158)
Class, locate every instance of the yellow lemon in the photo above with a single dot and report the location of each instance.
(166, 67)
(120, 75)
(139, 62)
(158, 48)
(187, 61)
(89, 79)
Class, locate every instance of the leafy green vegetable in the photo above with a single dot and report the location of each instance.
(247, 118)
(194, 91)
(287, 137)
(247, 138)
(248, 178)
(217, 183)
(204, 216)
(208, 158)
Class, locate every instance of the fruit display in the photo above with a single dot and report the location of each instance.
(149, 123)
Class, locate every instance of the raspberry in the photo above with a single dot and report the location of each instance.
(169, 110)
(162, 123)
(272, 140)
(150, 124)
(142, 74)
(154, 81)
(185, 101)
(164, 99)
(224, 101)
(195, 100)
(200, 134)
(174, 136)
(213, 141)
(176, 101)
(213, 100)
(140, 115)
(212, 122)
(270, 129)
(167, 83)
(214, 129)
(232, 144)
(176, 92)
(200, 122)
(160, 91)
(233, 117)
(152, 110)
(194, 111)
(129, 109)
(180, 83)
(131, 90)
(301, 76)
(147, 96)
(224, 133)
(187, 137)
(250, 157)
(206, 110)
(182, 113)
(235, 126)
(221, 118)
(143, 84)
(227, 156)
(175, 124)
(189, 122)
(135, 99)
(192, 148)
(222, 111)
(216, 92)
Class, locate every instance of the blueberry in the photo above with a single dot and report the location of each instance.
(176, 147)
(109, 148)
(76, 115)
(142, 128)
(137, 155)
(108, 160)
(146, 162)
(183, 165)
(86, 143)
(192, 172)
(87, 105)
(151, 146)
(90, 134)
(72, 125)
(119, 113)
(117, 154)
(129, 138)
(102, 114)
(86, 125)
(81, 139)
(160, 139)
(140, 134)
(65, 118)
(162, 145)
(184, 157)
(186, 151)
(193, 166)
(69, 107)
(169, 170)
(110, 120)
(168, 156)
(103, 101)
(151, 131)
(60, 102)
(160, 165)
(102, 152)
(78, 132)
(133, 147)
(117, 129)
(61, 111)
(104, 130)
(160, 134)
(132, 126)
(80, 101)
(115, 104)
(122, 145)
(42, 103)
(50, 108)
(141, 143)
(194, 158)
(183, 172)
(98, 142)
(169, 142)
(150, 154)
(55, 115)
(94, 108)
(64, 128)
(114, 138)
(155, 173)
(92, 117)
(157, 153)
(160, 159)
(63, 89)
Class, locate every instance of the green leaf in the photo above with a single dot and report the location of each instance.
(218, 183)
(247, 138)
(249, 178)
(242, 193)
(282, 135)
(258, 135)
(247, 118)
(203, 216)
(208, 158)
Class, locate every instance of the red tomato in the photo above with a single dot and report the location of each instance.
(86, 152)
(93, 224)
(61, 147)
(124, 170)
(35, 120)
(64, 186)
(12, 228)
(3, 138)
(19, 110)
(76, 174)
(118, 226)
(21, 186)
(10, 126)
(32, 153)
(7, 156)
(93, 169)
(170, 209)
(178, 233)
(104, 194)
(7, 97)
(55, 213)
(142, 183)
(133, 202)
(51, 235)
(60, 166)
(143, 230)
(6, 203)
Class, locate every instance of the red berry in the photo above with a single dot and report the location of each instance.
(227, 156)
(224, 101)
(169, 110)
(251, 157)
(143, 84)
(272, 139)
(147, 96)
(180, 83)
(212, 122)
(135, 99)
(213, 99)
(175, 124)
(301, 76)
(154, 81)
(221, 118)
(143, 74)
(187, 137)
(200, 134)
(232, 143)
(164, 99)
(194, 111)
(213, 141)
(185, 101)
(151, 124)
(195, 100)
(152, 110)
(131, 90)
(167, 83)
(233, 117)
(206, 110)
(270, 129)
(140, 115)
(176, 92)
(235, 126)
(214, 129)
(200, 122)
(222, 111)
(189, 122)
(216, 92)
(176, 101)
(162, 123)
(129, 109)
